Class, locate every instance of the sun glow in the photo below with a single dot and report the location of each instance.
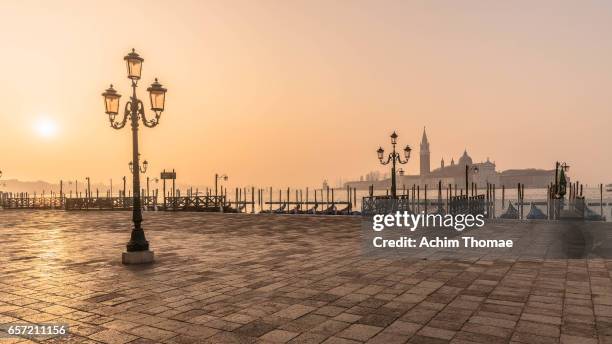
(45, 127)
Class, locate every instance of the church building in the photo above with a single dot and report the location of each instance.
(454, 173)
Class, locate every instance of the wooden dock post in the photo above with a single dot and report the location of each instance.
(449, 194)
(252, 200)
(418, 198)
(425, 196)
(601, 200)
(494, 200)
(332, 197)
(348, 196)
(520, 202)
(288, 199)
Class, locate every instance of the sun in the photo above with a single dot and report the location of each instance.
(45, 127)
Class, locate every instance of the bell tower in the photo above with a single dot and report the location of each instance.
(424, 155)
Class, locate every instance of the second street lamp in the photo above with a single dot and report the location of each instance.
(217, 177)
(138, 246)
(393, 158)
(467, 177)
(143, 168)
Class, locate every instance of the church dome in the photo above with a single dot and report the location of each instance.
(465, 159)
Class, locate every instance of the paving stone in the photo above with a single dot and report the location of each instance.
(434, 332)
(360, 332)
(567, 339)
(152, 333)
(294, 311)
(278, 336)
(538, 329)
(308, 338)
(330, 327)
(112, 337)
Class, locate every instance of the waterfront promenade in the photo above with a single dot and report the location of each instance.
(236, 278)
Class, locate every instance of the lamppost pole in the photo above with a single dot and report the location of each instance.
(88, 195)
(393, 182)
(138, 246)
(393, 158)
(217, 177)
(137, 242)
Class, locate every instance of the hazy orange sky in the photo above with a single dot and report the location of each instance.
(293, 92)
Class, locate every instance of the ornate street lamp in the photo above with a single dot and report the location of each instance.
(138, 246)
(217, 177)
(393, 158)
(142, 168)
(469, 168)
(88, 191)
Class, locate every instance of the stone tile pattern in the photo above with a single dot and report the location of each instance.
(223, 278)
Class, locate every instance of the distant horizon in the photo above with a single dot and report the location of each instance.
(292, 93)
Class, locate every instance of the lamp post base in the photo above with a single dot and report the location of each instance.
(137, 257)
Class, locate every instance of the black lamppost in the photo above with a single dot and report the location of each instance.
(560, 179)
(469, 168)
(393, 158)
(134, 110)
(217, 177)
(88, 191)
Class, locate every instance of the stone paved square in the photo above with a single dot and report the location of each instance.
(236, 278)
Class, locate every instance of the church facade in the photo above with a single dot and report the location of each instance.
(452, 173)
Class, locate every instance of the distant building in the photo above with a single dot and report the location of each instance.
(531, 177)
(454, 173)
(424, 155)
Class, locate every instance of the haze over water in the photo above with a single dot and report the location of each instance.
(291, 93)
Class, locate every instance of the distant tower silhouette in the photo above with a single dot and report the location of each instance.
(425, 166)
(442, 163)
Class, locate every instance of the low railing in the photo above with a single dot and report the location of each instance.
(197, 203)
(108, 203)
(27, 202)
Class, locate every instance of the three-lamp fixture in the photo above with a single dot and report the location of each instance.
(157, 93)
